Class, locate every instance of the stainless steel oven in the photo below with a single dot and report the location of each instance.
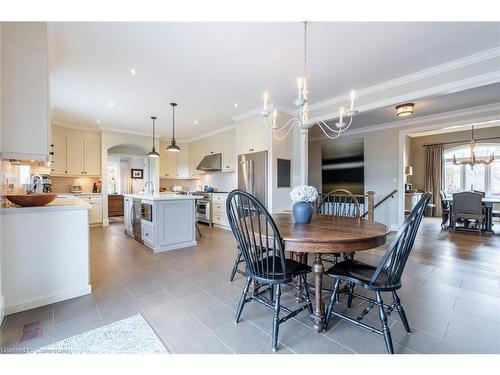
(204, 208)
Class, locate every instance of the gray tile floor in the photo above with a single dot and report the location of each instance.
(452, 307)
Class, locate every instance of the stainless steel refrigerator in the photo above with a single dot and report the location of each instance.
(252, 174)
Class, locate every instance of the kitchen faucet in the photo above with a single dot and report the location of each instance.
(152, 186)
(39, 184)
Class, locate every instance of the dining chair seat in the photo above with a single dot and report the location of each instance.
(361, 273)
(292, 268)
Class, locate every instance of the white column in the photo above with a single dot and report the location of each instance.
(304, 155)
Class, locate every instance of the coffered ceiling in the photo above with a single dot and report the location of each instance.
(217, 71)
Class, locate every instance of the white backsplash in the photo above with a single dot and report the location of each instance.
(220, 181)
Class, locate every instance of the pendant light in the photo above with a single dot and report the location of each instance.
(173, 147)
(153, 153)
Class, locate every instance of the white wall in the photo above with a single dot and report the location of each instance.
(381, 169)
(111, 139)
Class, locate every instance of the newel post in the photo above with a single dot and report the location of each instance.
(371, 205)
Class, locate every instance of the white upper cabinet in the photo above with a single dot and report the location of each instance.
(59, 155)
(75, 152)
(92, 158)
(174, 164)
(253, 140)
(25, 91)
(228, 151)
(183, 161)
(74, 156)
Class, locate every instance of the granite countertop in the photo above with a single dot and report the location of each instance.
(58, 204)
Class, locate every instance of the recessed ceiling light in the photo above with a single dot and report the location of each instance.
(195, 122)
(111, 104)
(235, 105)
(132, 71)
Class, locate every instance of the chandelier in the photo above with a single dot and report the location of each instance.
(302, 121)
(472, 160)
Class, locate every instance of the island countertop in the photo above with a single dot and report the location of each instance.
(58, 204)
(161, 197)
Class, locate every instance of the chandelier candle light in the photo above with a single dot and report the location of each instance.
(472, 160)
(302, 103)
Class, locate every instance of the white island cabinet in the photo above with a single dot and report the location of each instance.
(171, 224)
(45, 253)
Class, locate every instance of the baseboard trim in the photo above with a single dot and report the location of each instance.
(2, 309)
(46, 300)
(176, 246)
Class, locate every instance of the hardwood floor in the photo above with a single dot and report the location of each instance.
(451, 293)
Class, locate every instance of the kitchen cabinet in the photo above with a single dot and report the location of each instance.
(76, 156)
(25, 91)
(92, 158)
(228, 152)
(95, 212)
(253, 140)
(183, 161)
(219, 216)
(58, 150)
(174, 164)
(196, 153)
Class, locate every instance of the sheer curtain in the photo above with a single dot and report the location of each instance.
(433, 174)
(125, 178)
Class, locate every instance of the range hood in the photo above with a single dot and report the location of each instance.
(210, 163)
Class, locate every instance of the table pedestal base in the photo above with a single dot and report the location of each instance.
(318, 315)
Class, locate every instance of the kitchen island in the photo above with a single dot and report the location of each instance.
(45, 253)
(162, 222)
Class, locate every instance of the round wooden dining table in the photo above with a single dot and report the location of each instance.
(327, 235)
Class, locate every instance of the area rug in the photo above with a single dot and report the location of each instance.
(128, 336)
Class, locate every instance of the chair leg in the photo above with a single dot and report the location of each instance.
(401, 311)
(271, 292)
(350, 295)
(276, 317)
(306, 294)
(235, 267)
(333, 299)
(242, 301)
(385, 327)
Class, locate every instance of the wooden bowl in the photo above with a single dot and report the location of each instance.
(31, 200)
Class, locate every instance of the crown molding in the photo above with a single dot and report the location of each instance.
(413, 77)
(425, 120)
(76, 127)
(115, 130)
(256, 112)
(214, 132)
(448, 88)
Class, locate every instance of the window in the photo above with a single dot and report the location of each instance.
(113, 177)
(482, 177)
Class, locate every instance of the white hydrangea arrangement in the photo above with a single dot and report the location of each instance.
(304, 193)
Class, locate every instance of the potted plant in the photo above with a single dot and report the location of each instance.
(302, 197)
